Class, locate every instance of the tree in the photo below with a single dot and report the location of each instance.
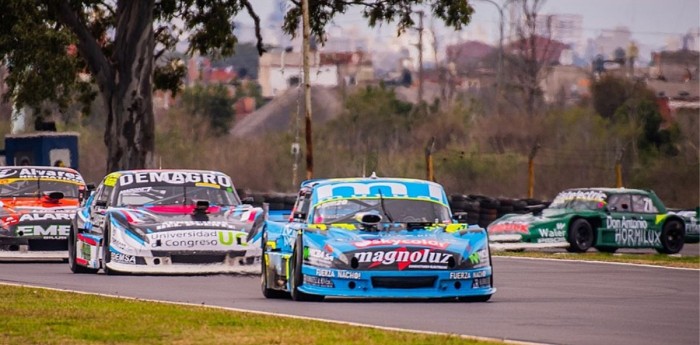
(211, 102)
(531, 53)
(120, 44)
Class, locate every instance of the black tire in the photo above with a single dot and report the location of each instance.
(606, 249)
(672, 237)
(72, 254)
(296, 278)
(581, 236)
(106, 254)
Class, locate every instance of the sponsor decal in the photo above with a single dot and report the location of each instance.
(123, 258)
(44, 216)
(176, 178)
(403, 258)
(550, 233)
(460, 275)
(85, 250)
(637, 237)
(197, 238)
(51, 232)
(401, 242)
(33, 173)
(479, 274)
(324, 273)
(592, 195)
(193, 224)
(509, 226)
(481, 283)
(474, 258)
(349, 274)
(318, 281)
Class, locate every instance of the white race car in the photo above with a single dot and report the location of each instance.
(166, 221)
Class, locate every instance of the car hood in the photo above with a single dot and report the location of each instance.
(154, 219)
(436, 247)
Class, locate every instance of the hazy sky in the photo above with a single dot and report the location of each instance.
(651, 21)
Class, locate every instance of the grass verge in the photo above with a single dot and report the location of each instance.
(645, 259)
(39, 316)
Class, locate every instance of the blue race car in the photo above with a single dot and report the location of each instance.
(374, 238)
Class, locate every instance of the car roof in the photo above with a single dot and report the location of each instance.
(136, 171)
(609, 190)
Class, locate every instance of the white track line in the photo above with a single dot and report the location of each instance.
(258, 312)
(599, 262)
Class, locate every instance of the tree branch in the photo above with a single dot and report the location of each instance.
(87, 46)
(256, 19)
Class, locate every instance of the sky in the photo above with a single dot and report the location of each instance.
(651, 21)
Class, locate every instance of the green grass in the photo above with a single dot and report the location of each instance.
(646, 259)
(40, 316)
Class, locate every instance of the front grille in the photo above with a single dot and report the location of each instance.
(48, 245)
(198, 259)
(404, 282)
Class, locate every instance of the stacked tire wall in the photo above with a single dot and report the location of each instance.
(483, 210)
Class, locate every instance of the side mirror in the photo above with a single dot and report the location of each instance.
(461, 217)
(90, 187)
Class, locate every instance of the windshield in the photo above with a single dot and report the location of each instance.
(579, 200)
(175, 195)
(26, 187)
(396, 210)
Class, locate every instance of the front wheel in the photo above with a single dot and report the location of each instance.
(106, 254)
(581, 236)
(672, 237)
(72, 255)
(296, 277)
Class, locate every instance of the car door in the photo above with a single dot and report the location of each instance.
(645, 212)
(632, 218)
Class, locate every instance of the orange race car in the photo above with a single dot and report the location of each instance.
(37, 204)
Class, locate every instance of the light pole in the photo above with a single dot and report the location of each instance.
(499, 72)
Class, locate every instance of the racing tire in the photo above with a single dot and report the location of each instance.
(106, 254)
(606, 249)
(296, 277)
(581, 236)
(672, 237)
(74, 267)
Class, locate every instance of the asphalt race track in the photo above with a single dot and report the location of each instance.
(539, 301)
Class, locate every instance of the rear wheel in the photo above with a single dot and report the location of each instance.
(581, 236)
(296, 277)
(672, 237)
(72, 255)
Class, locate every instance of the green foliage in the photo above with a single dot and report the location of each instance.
(211, 102)
(455, 13)
(610, 93)
(35, 48)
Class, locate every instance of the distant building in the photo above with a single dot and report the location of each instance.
(565, 28)
(281, 70)
(611, 39)
(548, 51)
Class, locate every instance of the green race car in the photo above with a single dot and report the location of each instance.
(604, 218)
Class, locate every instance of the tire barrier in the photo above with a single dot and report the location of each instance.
(483, 210)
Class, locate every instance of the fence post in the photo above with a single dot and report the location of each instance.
(531, 170)
(429, 172)
(618, 167)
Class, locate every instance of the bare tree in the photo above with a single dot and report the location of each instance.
(530, 54)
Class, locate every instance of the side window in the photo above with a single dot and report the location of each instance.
(301, 207)
(103, 194)
(619, 203)
(643, 204)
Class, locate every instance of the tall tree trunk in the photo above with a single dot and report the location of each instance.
(129, 134)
